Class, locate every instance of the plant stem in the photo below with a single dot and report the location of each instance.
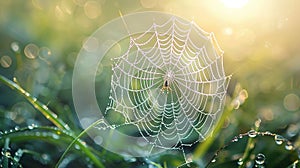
(51, 116)
(203, 147)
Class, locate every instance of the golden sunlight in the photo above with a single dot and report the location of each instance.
(234, 3)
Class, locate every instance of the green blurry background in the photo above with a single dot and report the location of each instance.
(40, 39)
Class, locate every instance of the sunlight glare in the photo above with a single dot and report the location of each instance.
(234, 3)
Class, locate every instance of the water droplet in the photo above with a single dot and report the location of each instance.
(130, 159)
(31, 126)
(7, 154)
(235, 139)
(34, 99)
(26, 94)
(5, 61)
(17, 128)
(15, 46)
(55, 136)
(279, 139)
(260, 159)
(45, 107)
(31, 51)
(240, 161)
(46, 157)
(252, 133)
(66, 126)
(289, 145)
(257, 123)
(268, 133)
(214, 160)
(77, 146)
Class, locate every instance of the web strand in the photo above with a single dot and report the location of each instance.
(170, 84)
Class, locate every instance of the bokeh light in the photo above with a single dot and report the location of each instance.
(5, 61)
(40, 41)
(31, 51)
(291, 102)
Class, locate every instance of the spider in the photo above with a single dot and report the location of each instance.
(166, 86)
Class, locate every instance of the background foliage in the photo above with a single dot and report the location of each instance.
(39, 42)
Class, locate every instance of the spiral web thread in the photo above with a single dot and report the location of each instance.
(170, 84)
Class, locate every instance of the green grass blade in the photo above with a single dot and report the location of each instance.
(99, 164)
(51, 116)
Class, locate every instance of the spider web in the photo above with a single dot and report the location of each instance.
(170, 84)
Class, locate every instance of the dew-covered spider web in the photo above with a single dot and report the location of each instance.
(170, 84)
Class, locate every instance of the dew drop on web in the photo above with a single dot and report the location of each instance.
(289, 145)
(240, 161)
(260, 159)
(279, 139)
(252, 133)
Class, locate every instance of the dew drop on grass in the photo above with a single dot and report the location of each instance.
(31, 126)
(213, 161)
(289, 145)
(240, 161)
(15, 46)
(55, 136)
(46, 158)
(34, 99)
(279, 139)
(252, 133)
(77, 146)
(45, 107)
(27, 94)
(17, 128)
(130, 159)
(260, 159)
(7, 154)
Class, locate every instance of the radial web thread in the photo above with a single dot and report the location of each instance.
(170, 84)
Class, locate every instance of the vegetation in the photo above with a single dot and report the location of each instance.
(39, 42)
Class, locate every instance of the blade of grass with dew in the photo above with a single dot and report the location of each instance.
(6, 153)
(25, 134)
(76, 139)
(51, 116)
(249, 146)
(203, 147)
